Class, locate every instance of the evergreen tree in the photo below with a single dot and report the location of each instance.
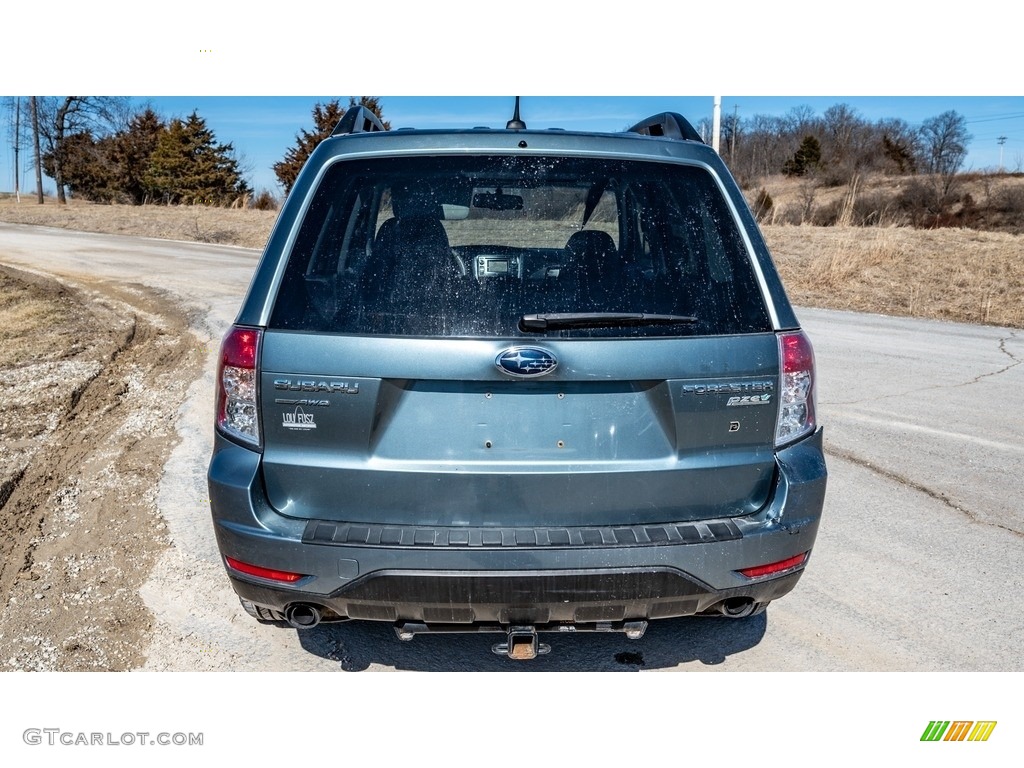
(189, 166)
(325, 118)
(807, 158)
(131, 151)
(901, 146)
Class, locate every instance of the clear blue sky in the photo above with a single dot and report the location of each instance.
(261, 128)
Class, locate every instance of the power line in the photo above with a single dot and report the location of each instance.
(995, 118)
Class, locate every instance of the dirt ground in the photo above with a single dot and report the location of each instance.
(91, 377)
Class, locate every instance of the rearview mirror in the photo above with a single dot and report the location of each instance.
(497, 201)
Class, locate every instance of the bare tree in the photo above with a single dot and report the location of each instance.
(704, 127)
(64, 116)
(808, 193)
(845, 141)
(846, 146)
(801, 120)
(766, 142)
(797, 124)
(945, 140)
(840, 124)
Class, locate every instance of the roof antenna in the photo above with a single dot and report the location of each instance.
(515, 124)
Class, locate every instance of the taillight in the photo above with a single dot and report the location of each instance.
(237, 405)
(796, 395)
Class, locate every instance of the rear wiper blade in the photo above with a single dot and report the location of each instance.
(557, 320)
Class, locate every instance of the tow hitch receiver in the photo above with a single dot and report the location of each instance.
(521, 645)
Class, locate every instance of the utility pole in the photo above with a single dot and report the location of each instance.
(17, 147)
(716, 124)
(1001, 140)
(39, 165)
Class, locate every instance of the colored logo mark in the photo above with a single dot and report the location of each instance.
(958, 730)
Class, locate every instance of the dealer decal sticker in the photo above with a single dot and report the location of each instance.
(298, 419)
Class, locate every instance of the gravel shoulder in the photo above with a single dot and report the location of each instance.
(88, 418)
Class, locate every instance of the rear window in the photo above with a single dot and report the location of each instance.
(466, 246)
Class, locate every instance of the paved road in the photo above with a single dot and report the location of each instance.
(917, 567)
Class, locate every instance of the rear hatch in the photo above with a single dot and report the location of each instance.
(518, 341)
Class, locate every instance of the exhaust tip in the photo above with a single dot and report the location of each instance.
(302, 615)
(737, 607)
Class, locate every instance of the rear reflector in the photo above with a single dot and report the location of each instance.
(263, 573)
(781, 565)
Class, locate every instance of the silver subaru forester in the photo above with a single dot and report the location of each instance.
(518, 381)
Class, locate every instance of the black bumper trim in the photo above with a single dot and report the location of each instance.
(360, 534)
(520, 597)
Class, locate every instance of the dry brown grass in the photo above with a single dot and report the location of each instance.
(997, 200)
(942, 274)
(34, 322)
(198, 223)
(946, 274)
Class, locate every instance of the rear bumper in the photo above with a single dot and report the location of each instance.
(515, 576)
(521, 597)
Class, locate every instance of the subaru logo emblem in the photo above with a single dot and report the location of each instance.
(526, 362)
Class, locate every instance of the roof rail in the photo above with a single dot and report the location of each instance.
(669, 124)
(357, 119)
